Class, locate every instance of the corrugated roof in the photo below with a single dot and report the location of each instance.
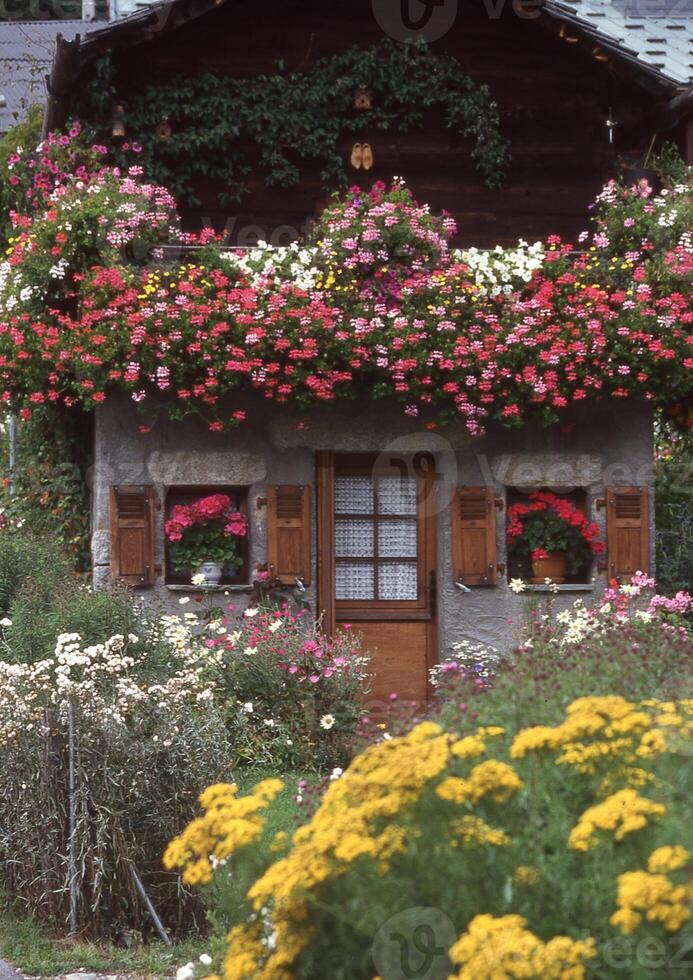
(655, 35)
(26, 55)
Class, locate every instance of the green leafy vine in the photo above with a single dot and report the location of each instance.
(201, 126)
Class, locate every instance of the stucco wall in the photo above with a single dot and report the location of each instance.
(604, 446)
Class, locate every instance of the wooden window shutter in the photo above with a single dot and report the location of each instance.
(132, 535)
(288, 533)
(627, 531)
(474, 536)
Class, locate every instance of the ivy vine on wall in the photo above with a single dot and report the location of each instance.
(205, 126)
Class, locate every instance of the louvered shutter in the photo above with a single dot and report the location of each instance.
(288, 533)
(132, 535)
(474, 536)
(627, 531)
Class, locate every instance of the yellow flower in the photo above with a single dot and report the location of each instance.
(473, 831)
(469, 746)
(623, 813)
(498, 948)
(668, 858)
(525, 874)
(654, 897)
(229, 823)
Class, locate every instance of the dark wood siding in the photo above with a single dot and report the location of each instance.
(554, 99)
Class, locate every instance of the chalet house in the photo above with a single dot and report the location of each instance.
(361, 513)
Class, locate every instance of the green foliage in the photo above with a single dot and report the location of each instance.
(27, 133)
(36, 951)
(669, 164)
(51, 492)
(634, 661)
(460, 821)
(291, 117)
(39, 617)
(674, 508)
(31, 563)
(205, 543)
(292, 698)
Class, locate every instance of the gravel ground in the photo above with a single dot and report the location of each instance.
(7, 972)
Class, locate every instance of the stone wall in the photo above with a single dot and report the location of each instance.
(605, 446)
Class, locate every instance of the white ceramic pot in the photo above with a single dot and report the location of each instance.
(211, 571)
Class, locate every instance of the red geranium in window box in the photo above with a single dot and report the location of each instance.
(553, 534)
(205, 533)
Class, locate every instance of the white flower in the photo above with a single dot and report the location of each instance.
(248, 707)
(185, 972)
(269, 722)
(249, 613)
(274, 625)
(517, 585)
(205, 959)
(336, 773)
(5, 622)
(250, 651)
(327, 721)
(183, 601)
(199, 578)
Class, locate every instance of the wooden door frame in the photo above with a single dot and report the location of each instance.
(325, 481)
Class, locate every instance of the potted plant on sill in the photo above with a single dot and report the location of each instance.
(204, 537)
(553, 534)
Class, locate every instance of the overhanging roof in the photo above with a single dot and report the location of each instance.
(654, 36)
(657, 48)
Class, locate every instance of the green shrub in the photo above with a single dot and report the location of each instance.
(148, 738)
(543, 853)
(29, 563)
(674, 510)
(39, 617)
(292, 698)
(49, 491)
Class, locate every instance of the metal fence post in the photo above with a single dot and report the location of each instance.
(72, 818)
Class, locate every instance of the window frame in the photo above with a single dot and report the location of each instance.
(580, 498)
(185, 494)
(365, 465)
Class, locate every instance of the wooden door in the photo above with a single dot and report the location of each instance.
(377, 572)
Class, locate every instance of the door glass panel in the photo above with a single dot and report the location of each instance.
(397, 539)
(353, 495)
(353, 538)
(397, 495)
(397, 581)
(354, 581)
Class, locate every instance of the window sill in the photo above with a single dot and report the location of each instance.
(565, 587)
(208, 588)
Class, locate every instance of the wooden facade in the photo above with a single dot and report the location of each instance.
(554, 97)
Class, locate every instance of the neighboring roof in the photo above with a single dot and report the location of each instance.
(654, 36)
(26, 56)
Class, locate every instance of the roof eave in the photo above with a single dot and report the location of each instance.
(650, 76)
(71, 56)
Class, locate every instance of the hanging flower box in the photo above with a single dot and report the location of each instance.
(553, 534)
(204, 538)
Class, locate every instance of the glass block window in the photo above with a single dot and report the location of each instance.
(376, 540)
